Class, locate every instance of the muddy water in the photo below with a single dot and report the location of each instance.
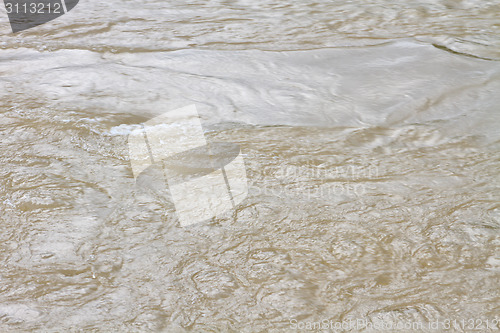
(370, 137)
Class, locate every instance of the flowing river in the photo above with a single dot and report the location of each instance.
(370, 134)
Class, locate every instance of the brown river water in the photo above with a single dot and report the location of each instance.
(370, 136)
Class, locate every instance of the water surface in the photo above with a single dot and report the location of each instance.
(370, 136)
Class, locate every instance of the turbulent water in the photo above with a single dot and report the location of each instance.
(370, 135)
